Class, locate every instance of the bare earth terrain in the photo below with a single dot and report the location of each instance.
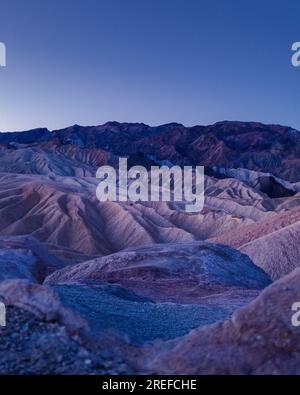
(114, 287)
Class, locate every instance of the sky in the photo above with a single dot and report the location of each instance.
(154, 61)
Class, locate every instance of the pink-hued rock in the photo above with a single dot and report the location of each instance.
(258, 339)
(277, 253)
(180, 273)
(271, 243)
(64, 214)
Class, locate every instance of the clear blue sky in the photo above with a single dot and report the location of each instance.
(152, 61)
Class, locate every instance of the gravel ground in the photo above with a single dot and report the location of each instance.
(110, 307)
(29, 346)
(118, 320)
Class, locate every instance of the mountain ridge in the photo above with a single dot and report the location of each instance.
(255, 146)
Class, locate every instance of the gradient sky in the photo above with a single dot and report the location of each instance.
(152, 61)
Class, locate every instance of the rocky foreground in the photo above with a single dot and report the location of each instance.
(195, 308)
(258, 339)
(114, 288)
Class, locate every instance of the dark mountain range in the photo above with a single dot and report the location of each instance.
(251, 145)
